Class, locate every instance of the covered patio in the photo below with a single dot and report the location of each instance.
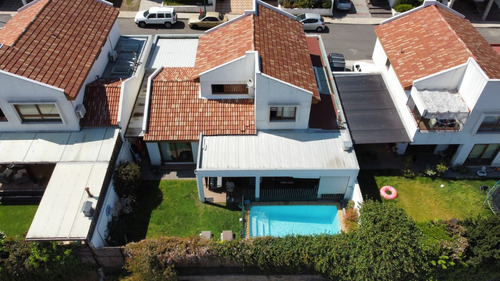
(438, 110)
(276, 166)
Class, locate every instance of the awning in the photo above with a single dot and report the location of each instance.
(440, 104)
(274, 152)
(60, 214)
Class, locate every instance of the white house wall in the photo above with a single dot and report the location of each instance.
(101, 61)
(272, 92)
(130, 88)
(238, 71)
(472, 84)
(398, 94)
(24, 90)
(446, 80)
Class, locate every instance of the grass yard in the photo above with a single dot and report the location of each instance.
(424, 199)
(15, 220)
(180, 212)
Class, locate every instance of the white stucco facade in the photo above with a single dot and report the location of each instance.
(478, 92)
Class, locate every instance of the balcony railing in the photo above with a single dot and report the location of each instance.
(435, 124)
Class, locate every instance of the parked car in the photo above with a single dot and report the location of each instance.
(311, 21)
(343, 5)
(207, 20)
(156, 15)
(361, 66)
(336, 61)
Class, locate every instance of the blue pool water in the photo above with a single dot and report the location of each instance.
(293, 220)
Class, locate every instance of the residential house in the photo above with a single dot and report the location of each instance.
(254, 112)
(59, 120)
(443, 77)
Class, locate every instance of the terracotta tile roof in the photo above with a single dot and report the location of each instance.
(177, 114)
(60, 44)
(280, 41)
(431, 40)
(496, 47)
(224, 44)
(282, 46)
(102, 99)
(15, 27)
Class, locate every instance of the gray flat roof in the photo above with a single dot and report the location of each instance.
(370, 112)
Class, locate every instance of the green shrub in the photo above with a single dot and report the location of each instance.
(127, 179)
(484, 238)
(408, 173)
(389, 246)
(441, 168)
(403, 8)
(290, 4)
(40, 261)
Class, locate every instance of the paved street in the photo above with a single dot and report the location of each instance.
(355, 41)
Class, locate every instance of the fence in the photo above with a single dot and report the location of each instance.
(107, 257)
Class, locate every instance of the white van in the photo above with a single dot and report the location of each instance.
(156, 15)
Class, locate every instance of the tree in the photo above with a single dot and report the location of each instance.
(387, 246)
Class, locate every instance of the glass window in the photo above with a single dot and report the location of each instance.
(229, 89)
(282, 113)
(483, 154)
(38, 112)
(161, 16)
(152, 16)
(176, 151)
(490, 124)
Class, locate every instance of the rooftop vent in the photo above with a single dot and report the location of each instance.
(347, 145)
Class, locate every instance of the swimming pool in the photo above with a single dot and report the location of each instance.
(293, 220)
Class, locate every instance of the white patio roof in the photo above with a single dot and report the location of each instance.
(440, 104)
(59, 215)
(304, 150)
(82, 146)
(82, 160)
(173, 52)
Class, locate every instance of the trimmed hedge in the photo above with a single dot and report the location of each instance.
(385, 247)
(388, 245)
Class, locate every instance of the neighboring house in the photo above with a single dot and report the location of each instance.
(443, 77)
(58, 128)
(254, 112)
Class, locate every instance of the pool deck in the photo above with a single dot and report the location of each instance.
(340, 212)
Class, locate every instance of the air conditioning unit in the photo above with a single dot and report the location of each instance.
(87, 209)
(80, 111)
(113, 55)
(347, 145)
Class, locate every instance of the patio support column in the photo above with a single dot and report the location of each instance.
(257, 188)
(201, 194)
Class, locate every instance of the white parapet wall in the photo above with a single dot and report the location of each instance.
(298, 11)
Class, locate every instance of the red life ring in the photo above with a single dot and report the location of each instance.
(388, 192)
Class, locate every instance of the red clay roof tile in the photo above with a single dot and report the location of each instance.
(279, 40)
(431, 40)
(102, 100)
(177, 114)
(59, 43)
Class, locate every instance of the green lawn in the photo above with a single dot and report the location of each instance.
(15, 220)
(424, 199)
(179, 212)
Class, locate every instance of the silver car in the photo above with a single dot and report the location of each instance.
(311, 21)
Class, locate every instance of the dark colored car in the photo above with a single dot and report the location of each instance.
(336, 61)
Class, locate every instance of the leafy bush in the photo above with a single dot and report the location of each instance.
(484, 238)
(403, 8)
(441, 168)
(408, 173)
(351, 218)
(429, 172)
(389, 246)
(127, 179)
(23, 260)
